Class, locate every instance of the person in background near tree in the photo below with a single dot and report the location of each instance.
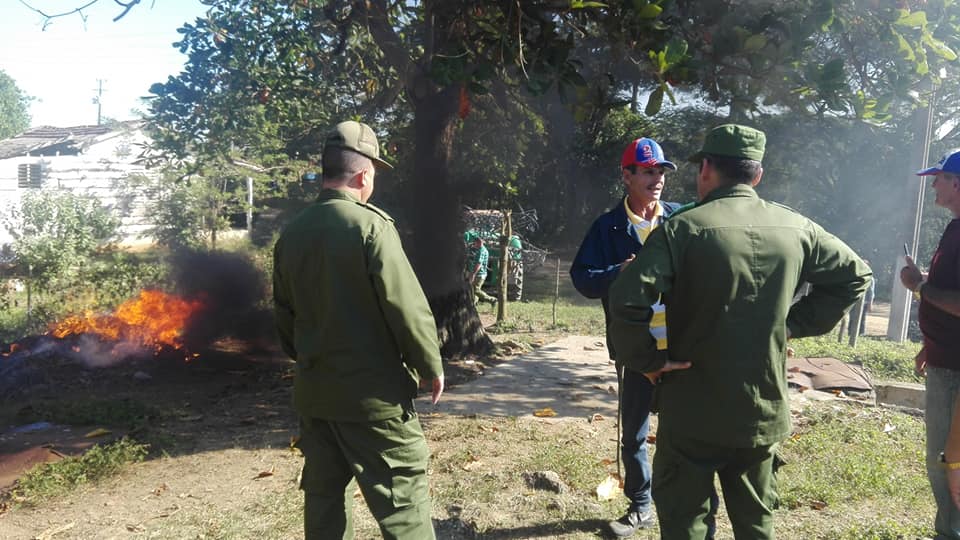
(939, 359)
(352, 314)
(867, 307)
(609, 246)
(727, 270)
(478, 261)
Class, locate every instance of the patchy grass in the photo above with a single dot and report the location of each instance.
(883, 359)
(855, 473)
(537, 318)
(55, 479)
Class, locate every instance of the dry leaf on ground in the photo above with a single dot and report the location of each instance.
(264, 474)
(545, 412)
(609, 488)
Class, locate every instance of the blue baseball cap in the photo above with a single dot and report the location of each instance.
(950, 163)
(645, 153)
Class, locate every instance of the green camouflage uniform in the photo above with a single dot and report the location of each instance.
(351, 312)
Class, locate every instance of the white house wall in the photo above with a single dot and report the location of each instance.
(103, 170)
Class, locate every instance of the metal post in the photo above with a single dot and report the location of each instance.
(556, 294)
(856, 319)
(249, 207)
(900, 297)
(506, 231)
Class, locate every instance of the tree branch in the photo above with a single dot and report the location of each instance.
(378, 23)
(127, 6)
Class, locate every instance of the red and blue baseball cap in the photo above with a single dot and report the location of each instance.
(645, 153)
(950, 163)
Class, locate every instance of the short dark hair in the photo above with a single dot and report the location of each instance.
(338, 162)
(733, 170)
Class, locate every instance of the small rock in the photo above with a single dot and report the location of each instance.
(545, 480)
(454, 529)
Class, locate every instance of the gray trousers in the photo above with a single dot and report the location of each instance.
(942, 388)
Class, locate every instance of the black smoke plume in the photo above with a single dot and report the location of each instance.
(233, 292)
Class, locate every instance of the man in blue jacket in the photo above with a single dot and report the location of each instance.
(610, 245)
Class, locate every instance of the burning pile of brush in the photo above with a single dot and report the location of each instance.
(222, 296)
(151, 321)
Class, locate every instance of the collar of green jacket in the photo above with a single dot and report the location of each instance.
(332, 193)
(736, 190)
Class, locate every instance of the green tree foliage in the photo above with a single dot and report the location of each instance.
(192, 208)
(851, 58)
(14, 117)
(267, 78)
(56, 234)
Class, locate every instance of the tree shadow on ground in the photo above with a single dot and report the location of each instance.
(546, 530)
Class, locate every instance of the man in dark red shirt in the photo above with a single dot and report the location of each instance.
(939, 315)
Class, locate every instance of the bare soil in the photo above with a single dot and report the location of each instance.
(220, 428)
(221, 466)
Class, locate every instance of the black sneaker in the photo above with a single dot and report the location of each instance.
(631, 522)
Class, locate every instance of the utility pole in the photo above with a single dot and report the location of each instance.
(901, 300)
(98, 99)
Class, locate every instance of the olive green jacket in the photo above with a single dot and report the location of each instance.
(351, 312)
(728, 269)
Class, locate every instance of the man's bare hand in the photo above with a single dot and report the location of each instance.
(628, 260)
(953, 481)
(437, 389)
(910, 275)
(920, 363)
(654, 376)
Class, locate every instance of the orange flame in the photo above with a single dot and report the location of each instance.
(154, 319)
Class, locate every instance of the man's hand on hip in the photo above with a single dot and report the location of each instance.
(670, 365)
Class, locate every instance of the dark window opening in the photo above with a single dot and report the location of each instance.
(28, 176)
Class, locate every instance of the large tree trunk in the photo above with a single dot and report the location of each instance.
(437, 248)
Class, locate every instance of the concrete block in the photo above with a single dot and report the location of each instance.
(901, 394)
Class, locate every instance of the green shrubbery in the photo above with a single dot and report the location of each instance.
(54, 479)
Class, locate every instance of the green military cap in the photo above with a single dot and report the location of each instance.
(359, 138)
(733, 140)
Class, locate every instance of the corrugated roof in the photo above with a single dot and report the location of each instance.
(48, 140)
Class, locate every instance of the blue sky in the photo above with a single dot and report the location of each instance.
(60, 65)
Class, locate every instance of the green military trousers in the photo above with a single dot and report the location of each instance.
(388, 459)
(683, 476)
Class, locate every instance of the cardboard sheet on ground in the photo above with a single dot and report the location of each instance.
(826, 374)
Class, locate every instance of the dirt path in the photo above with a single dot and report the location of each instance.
(572, 377)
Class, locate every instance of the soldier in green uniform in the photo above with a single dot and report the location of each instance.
(727, 270)
(351, 312)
